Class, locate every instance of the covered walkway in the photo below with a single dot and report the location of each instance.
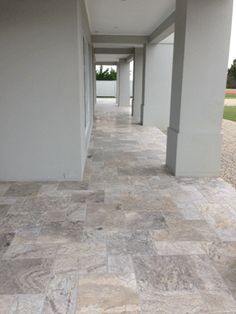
(129, 239)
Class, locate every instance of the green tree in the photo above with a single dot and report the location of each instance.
(231, 80)
(107, 75)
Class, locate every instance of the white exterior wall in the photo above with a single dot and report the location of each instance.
(106, 88)
(109, 88)
(42, 134)
(158, 78)
(124, 83)
(138, 83)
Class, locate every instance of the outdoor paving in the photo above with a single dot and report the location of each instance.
(230, 102)
(130, 238)
(228, 160)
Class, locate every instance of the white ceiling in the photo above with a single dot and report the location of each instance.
(127, 17)
(110, 57)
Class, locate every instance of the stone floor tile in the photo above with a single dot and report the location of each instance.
(60, 232)
(79, 249)
(6, 302)
(76, 213)
(186, 230)
(219, 301)
(26, 236)
(132, 243)
(23, 189)
(48, 189)
(226, 266)
(5, 200)
(120, 264)
(140, 244)
(64, 264)
(4, 186)
(180, 247)
(26, 276)
(88, 196)
(190, 211)
(73, 185)
(5, 241)
(4, 210)
(175, 303)
(105, 216)
(30, 251)
(130, 232)
(61, 295)
(156, 274)
(207, 272)
(138, 171)
(14, 223)
(92, 264)
(108, 293)
(27, 304)
(148, 220)
(43, 204)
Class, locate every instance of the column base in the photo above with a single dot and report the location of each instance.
(193, 154)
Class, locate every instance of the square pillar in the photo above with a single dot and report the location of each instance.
(201, 49)
(124, 83)
(158, 76)
(118, 84)
(138, 83)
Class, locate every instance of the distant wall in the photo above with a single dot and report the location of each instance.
(108, 88)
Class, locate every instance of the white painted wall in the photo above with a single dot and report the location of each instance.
(106, 88)
(138, 83)
(158, 78)
(42, 134)
(124, 83)
(109, 88)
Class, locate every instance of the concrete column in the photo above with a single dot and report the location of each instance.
(124, 83)
(158, 77)
(118, 84)
(202, 36)
(138, 83)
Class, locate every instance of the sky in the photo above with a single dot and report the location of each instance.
(232, 54)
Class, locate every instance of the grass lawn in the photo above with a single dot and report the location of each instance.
(230, 113)
(106, 97)
(230, 96)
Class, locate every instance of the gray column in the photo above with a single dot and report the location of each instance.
(138, 83)
(158, 76)
(118, 84)
(124, 83)
(202, 36)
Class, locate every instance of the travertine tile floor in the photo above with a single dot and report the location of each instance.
(128, 239)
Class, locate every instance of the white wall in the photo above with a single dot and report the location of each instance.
(106, 88)
(131, 88)
(138, 83)
(158, 78)
(109, 88)
(42, 136)
(124, 83)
